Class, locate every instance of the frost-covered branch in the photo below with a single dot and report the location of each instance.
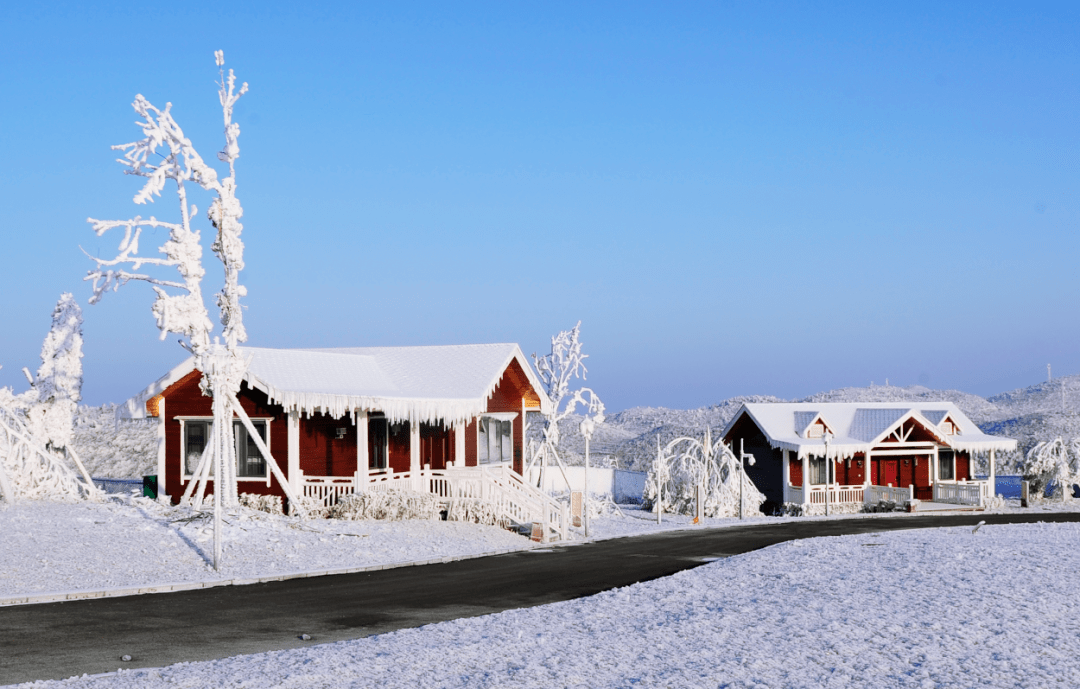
(1053, 464)
(686, 463)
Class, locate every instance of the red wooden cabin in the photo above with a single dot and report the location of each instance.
(338, 419)
(848, 454)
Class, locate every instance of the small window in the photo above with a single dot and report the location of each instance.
(377, 433)
(195, 438)
(946, 465)
(249, 461)
(816, 430)
(494, 444)
(817, 471)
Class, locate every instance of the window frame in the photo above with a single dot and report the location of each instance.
(483, 444)
(184, 420)
(942, 463)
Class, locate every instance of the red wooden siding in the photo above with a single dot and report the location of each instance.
(436, 445)
(321, 452)
(508, 395)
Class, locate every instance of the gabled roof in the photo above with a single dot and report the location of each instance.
(859, 427)
(450, 383)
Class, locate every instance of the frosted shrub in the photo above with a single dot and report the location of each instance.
(390, 505)
(474, 511)
(271, 504)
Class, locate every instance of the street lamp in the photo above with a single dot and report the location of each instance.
(828, 473)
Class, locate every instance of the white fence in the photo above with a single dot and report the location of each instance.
(962, 492)
(897, 494)
(838, 495)
(623, 486)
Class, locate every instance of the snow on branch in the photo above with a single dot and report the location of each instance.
(686, 463)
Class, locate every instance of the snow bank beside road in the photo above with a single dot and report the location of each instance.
(942, 607)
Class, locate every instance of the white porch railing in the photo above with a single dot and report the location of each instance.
(513, 498)
(838, 495)
(897, 494)
(962, 492)
(328, 489)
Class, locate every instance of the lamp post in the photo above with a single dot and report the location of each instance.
(828, 473)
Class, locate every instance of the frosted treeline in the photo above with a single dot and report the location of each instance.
(37, 459)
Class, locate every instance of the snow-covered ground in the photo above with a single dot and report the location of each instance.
(925, 608)
(124, 542)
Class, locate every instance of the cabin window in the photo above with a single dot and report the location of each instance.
(249, 461)
(946, 465)
(377, 437)
(817, 471)
(816, 430)
(495, 443)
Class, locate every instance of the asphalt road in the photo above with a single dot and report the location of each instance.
(58, 640)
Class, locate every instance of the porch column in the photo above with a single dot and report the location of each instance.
(805, 481)
(787, 476)
(292, 452)
(161, 450)
(363, 461)
(867, 463)
(934, 461)
(993, 475)
(414, 454)
(459, 444)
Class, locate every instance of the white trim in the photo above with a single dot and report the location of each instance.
(161, 473)
(500, 415)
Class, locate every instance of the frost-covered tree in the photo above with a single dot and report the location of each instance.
(557, 370)
(685, 463)
(165, 155)
(59, 379)
(36, 425)
(1055, 464)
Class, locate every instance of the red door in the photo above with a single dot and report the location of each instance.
(888, 469)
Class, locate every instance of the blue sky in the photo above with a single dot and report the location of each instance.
(753, 198)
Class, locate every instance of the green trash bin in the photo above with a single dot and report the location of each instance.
(149, 487)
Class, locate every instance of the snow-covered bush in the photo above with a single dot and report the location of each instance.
(392, 505)
(1055, 464)
(475, 511)
(686, 463)
(271, 504)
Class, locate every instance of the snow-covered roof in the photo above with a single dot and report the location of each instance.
(449, 383)
(860, 426)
